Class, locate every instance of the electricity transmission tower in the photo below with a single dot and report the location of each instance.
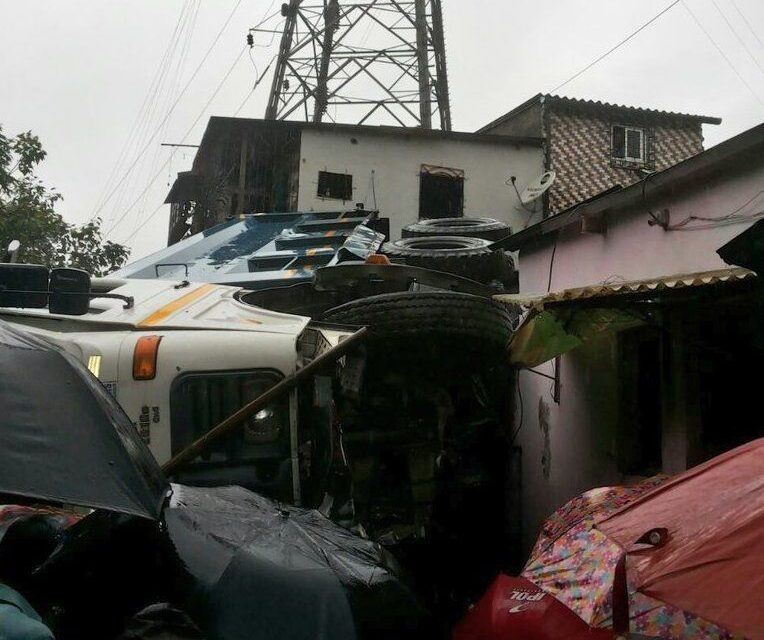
(380, 59)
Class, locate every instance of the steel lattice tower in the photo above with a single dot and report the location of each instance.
(380, 59)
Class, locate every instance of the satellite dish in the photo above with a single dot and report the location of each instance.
(537, 187)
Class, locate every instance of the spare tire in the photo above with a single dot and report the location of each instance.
(431, 329)
(466, 257)
(485, 228)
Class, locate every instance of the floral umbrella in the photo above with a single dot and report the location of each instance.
(576, 562)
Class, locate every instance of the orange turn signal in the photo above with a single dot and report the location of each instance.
(377, 258)
(145, 357)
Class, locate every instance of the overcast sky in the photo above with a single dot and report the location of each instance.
(77, 72)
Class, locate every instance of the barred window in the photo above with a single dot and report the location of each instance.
(337, 186)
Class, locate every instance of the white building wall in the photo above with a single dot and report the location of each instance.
(389, 167)
(576, 437)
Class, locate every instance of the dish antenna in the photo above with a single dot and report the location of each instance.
(12, 252)
(537, 187)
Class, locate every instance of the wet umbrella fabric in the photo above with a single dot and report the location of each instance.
(709, 562)
(259, 570)
(63, 438)
(576, 558)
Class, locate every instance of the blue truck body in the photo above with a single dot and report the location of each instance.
(261, 251)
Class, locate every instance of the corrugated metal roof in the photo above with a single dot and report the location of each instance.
(633, 287)
(599, 104)
(595, 104)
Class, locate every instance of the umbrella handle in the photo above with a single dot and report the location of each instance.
(620, 599)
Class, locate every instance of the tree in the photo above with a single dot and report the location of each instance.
(27, 214)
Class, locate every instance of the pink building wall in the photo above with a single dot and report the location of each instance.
(570, 447)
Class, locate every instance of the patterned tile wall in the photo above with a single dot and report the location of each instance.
(579, 151)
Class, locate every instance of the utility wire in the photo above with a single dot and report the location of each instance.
(143, 110)
(172, 107)
(190, 129)
(747, 23)
(157, 107)
(182, 140)
(620, 44)
(721, 53)
(252, 90)
(173, 87)
(737, 35)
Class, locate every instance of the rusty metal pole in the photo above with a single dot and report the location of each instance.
(289, 11)
(331, 20)
(423, 65)
(233, 422)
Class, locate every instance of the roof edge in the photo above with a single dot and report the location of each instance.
(466, 136)
(596, 104)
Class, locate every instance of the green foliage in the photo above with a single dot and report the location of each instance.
(27, 214)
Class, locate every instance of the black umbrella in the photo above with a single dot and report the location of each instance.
(63, 438)
(259, 570)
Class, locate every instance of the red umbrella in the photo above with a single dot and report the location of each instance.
(679, 558)
(706, 534)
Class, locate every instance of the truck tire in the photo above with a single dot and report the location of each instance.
(485, 228)
(467, 257)
(431, 329)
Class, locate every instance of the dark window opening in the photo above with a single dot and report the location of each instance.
(641, 403)
(628, 143)
(441, 193)
(338, 186)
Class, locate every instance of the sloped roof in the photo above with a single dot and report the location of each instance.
(597, 105)
(647, 286)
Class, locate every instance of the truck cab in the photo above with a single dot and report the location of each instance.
(180, 357)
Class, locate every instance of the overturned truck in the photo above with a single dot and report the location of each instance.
(401, 438)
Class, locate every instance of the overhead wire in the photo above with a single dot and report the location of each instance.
(190, 129)
(616, 47)
(182, 140)
(721, 52)
(737, 36)
(259, 76)
(747, 23)
(252, 90)
(158, 105)
(173, 87)
(174, 104)
(148, 99)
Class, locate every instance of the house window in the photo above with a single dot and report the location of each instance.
(338, 186)
(628, 144)
(441, 192)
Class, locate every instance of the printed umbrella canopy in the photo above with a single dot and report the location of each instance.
(64, 439)
(681, 539)
(706, 551)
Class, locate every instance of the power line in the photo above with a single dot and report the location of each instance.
(737, 35)
(172, 107)
(164, 164)
(173, 86)
(747, 22)
(157, 107)
(252, 90)
(721, 53)
(620, 44)
(190, 129)
(144, 108)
